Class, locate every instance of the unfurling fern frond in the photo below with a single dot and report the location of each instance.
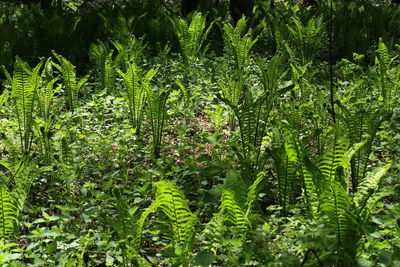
(71, 84)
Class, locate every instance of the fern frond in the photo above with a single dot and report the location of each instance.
(332, 160)
(233, 214)
(286, 162)
(8, 215)
(336, 205)
(252, 115)
(71, 83)
(22, 183)
(367, 188)
(139, 225)
(272, 72)
(6, 73)
(173, 204)
(135, 86)
(192, 36)
(237, 44)
(24, 85)
(253, 191)
(157, 110)
(4, 97)
(45, 92)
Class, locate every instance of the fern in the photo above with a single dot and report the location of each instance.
(272, 73)
(14, 192)
(364, 199)
(231, 90)
(46, 107)
(8, 214)
(252, 192)
(157, 110)
(305, 38)
(45, 93)
(24, 85)
(383, 61)
(23, 180)
(327, 185)
(126, 226)
(4, 97)
(336, 206)
(252, 115)
(233, 214)
(171, 201)
(361, 120)
(173, 204)
(130, 51)
(295, 172)
(135, 86)
(192, 36)
(239, 44)
(71, 84)
(103, 58)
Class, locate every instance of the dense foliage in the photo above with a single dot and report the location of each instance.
(132, 135)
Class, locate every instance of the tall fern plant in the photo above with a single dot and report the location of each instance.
(363, 117)
(171, 202)
(228, 229)
(136, 81)
(24, 84)
(252, 114)
(103, 58)
(326, 187)
(46, 109)
(304, 38)
(157, 105)
(238, 43)
(14, 190)
(71, 83)
(191, 36)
